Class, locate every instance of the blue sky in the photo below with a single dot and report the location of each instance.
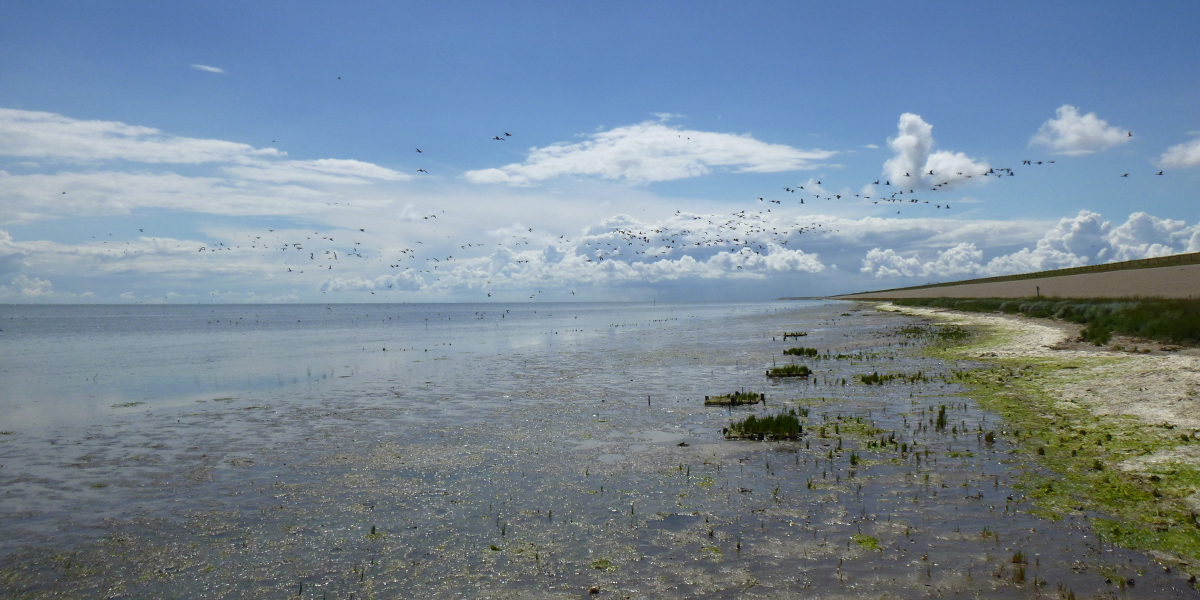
(157, 128)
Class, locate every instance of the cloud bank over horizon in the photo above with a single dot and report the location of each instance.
(203, 220)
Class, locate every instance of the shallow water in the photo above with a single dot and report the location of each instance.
(527, 451)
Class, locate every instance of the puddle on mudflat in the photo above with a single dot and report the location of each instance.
(547, 473)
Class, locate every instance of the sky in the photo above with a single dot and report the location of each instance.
(188, 152)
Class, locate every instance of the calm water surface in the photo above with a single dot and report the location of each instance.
(521, 451)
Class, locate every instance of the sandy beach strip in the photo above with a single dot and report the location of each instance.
(1118, 426)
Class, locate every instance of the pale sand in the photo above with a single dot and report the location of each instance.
(1159, 389)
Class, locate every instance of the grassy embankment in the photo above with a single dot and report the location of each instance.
(1095, 464)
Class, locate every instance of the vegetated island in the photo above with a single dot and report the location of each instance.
(735, 399)
(789, 371)
(782, 426)
(1103, 393)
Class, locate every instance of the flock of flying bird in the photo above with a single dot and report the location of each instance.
(744, 233)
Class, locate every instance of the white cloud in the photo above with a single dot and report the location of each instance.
(32, 197)
(872, 146)
(916, 164)
(1182, 155)
(962, 259)
(1081, 240)
(55, 137)
(1146, 236)
(209, 69)
(240, 179)
(651, 151)
(1072, 134)
(31, 287)
(325, 170)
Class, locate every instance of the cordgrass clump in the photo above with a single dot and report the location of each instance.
(1175, 321)
(876, 379)
(802, 351)
(790, 371)
(782, 426)
(735, 399)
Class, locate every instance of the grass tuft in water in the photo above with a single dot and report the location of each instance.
(790, 371)
(782, 426)
(735, 399)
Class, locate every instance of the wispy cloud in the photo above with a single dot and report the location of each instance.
(55, 137)
(209, 69)
(652, 151)
(1073, 134)
(239, 179)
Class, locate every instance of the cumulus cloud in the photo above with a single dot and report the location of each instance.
(962, 259)
(651, 151)
(31, 287)
(1076, 241)
(1182, 155)
(1073, 134)
(915, 163)
(209, 69)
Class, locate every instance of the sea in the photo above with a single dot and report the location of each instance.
(526, 450)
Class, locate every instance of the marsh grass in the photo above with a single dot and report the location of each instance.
(790, 371)
(802, 351)
(782, 426)
(875, 378)
(1173, 321)
(734, 399)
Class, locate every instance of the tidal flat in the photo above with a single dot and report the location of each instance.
(531, 455)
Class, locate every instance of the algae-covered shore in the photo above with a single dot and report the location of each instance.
(1117, 426)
